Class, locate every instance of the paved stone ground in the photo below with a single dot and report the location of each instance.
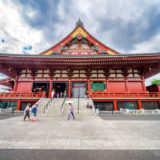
(131, 117)
(85, 132)
(79, 154)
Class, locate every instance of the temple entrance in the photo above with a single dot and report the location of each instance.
(60, 88)
(40, 87)
(79, 89)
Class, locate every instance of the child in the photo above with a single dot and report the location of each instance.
(34, 111)
(27, 112)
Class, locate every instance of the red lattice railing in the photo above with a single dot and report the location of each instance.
(22, 95)
(125, 95)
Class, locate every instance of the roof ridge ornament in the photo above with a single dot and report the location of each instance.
(79, 23)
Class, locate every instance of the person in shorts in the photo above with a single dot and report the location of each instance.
(35, 111)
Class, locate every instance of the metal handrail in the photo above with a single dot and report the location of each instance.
(93, 106)
(47, 105)
(78, 104)
(61, 110)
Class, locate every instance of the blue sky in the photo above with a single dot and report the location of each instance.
(32, 26)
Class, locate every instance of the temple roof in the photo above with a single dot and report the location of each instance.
(83, 56)
(86, 44)
(9, 63)
(79, 23)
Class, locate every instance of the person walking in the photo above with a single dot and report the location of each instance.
(27, 112)
(52, 95)
(70, 113)
(34, 111)
(65, 94)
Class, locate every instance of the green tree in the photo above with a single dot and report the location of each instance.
(155, 81)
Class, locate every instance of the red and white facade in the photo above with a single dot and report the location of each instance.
(80, 65)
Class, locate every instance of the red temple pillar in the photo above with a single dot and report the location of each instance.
(139, 104)
(126, 83)
(159, 104)
(107, 80)
(50, 89)
(115, 105)
(15, 86)
(107, 86)
(89, 86)
(69, 89)
(15, 83)
(19, 105)
(143, 83)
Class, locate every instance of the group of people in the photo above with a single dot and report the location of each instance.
(58, 94)
(33, 109)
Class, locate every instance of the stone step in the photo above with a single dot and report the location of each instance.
(55, 108)
(41, 105)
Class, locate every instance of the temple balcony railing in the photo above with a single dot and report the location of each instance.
(107, 95)
(22, 95)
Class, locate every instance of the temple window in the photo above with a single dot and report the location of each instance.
(46, 71)
(25, 74)
(42, 74)
(116, 74)
(23, 71)
(133, 73)
(64, 75)
(79, 73)
(61, 73)
(98, 86)
(98, 73)
(40, 71)
(57, 75)
(112, 75)
(22, 75)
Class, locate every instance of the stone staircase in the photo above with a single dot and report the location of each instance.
(41, 105)
(82, 110)
(56, 109)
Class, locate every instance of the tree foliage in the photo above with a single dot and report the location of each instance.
(156, 81)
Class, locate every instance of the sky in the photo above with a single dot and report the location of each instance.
(127, 26)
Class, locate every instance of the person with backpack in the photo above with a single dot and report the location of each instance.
(34, 111)
(27, 112)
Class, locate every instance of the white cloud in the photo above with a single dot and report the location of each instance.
(2, 88)
(16, 32)
(151, 45)
(93, 11)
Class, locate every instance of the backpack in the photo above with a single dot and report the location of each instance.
(33, 109)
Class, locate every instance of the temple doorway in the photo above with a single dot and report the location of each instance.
(60, 88)
(41, 87)
(79, 89)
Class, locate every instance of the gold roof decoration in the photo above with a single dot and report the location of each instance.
(79, 30)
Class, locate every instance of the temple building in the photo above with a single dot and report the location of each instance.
(80, 66)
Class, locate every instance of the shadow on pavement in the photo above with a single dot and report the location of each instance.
(10, 115)
(51, 154)
(131, 117)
